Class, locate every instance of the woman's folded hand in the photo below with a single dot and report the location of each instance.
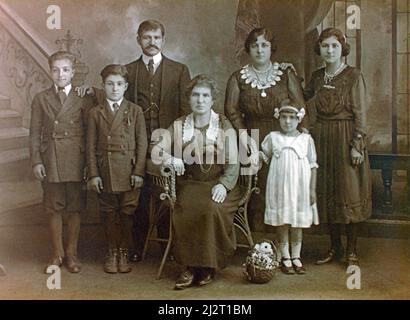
(356, 157)
(219, 193)
(178, 165)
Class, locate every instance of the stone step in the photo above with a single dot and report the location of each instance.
(19, 194)
(15, 165)
(10, 119)
(4, 102)
(12, 138)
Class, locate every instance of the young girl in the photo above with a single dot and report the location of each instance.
(291, 184)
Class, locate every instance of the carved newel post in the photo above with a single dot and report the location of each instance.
(70, 44)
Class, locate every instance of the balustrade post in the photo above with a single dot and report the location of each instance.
(71, 44)
(408, 187)
(387, 206)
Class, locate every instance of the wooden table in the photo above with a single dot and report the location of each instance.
(387, 163)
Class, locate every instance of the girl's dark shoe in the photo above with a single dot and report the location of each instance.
(298, 270)
(285, 269)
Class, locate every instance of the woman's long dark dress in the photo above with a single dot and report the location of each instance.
(337, 113)
(247, 109)
(204, 233)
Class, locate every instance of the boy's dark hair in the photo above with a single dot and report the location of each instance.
(114, 69)
(60, 55)
(148, 25)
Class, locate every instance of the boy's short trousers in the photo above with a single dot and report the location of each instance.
(124, 202)
(68, 196)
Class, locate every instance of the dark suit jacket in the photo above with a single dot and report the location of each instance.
(57, 135)
(173, 101)
(116, 145)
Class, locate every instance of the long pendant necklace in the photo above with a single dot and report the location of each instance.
(329, 77)
(203, 170)
(262, 84)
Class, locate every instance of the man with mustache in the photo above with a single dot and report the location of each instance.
(157, 84)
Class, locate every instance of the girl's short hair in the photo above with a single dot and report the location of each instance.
(60, 55)
(255, 33)
(202, 80)
(114, 69)
(338, 34)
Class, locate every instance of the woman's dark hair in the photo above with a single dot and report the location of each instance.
(255, 33)
(329, 32)
(202, 80)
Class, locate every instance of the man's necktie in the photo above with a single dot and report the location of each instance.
(115, 106)
(61, 95)
(151, 67)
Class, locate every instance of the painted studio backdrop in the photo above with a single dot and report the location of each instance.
(208, 37)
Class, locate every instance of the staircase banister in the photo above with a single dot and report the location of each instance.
(38, 47)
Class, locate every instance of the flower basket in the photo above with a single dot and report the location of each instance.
(261, 263)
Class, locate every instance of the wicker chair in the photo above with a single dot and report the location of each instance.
(248, 186)
(161, 181)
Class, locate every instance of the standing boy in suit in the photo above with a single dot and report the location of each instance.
(157, 84)
(116, 153)
(57, 149)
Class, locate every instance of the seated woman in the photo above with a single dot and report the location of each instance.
(205, 157)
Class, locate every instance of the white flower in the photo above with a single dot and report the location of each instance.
(301, 113)
(276, 114)
(265, 247)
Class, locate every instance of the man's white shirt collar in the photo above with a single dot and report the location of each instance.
(67, 88)
(157, 60)
(111, 103)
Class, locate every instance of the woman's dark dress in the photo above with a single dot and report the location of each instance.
(204, 232)
(247, 109)
(338, 122)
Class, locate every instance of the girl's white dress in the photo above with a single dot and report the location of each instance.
(288, 182)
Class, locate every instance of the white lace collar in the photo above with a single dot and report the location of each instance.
(211, 132)
(250, 76)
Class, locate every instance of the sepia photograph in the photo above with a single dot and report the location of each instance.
(215, 150)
